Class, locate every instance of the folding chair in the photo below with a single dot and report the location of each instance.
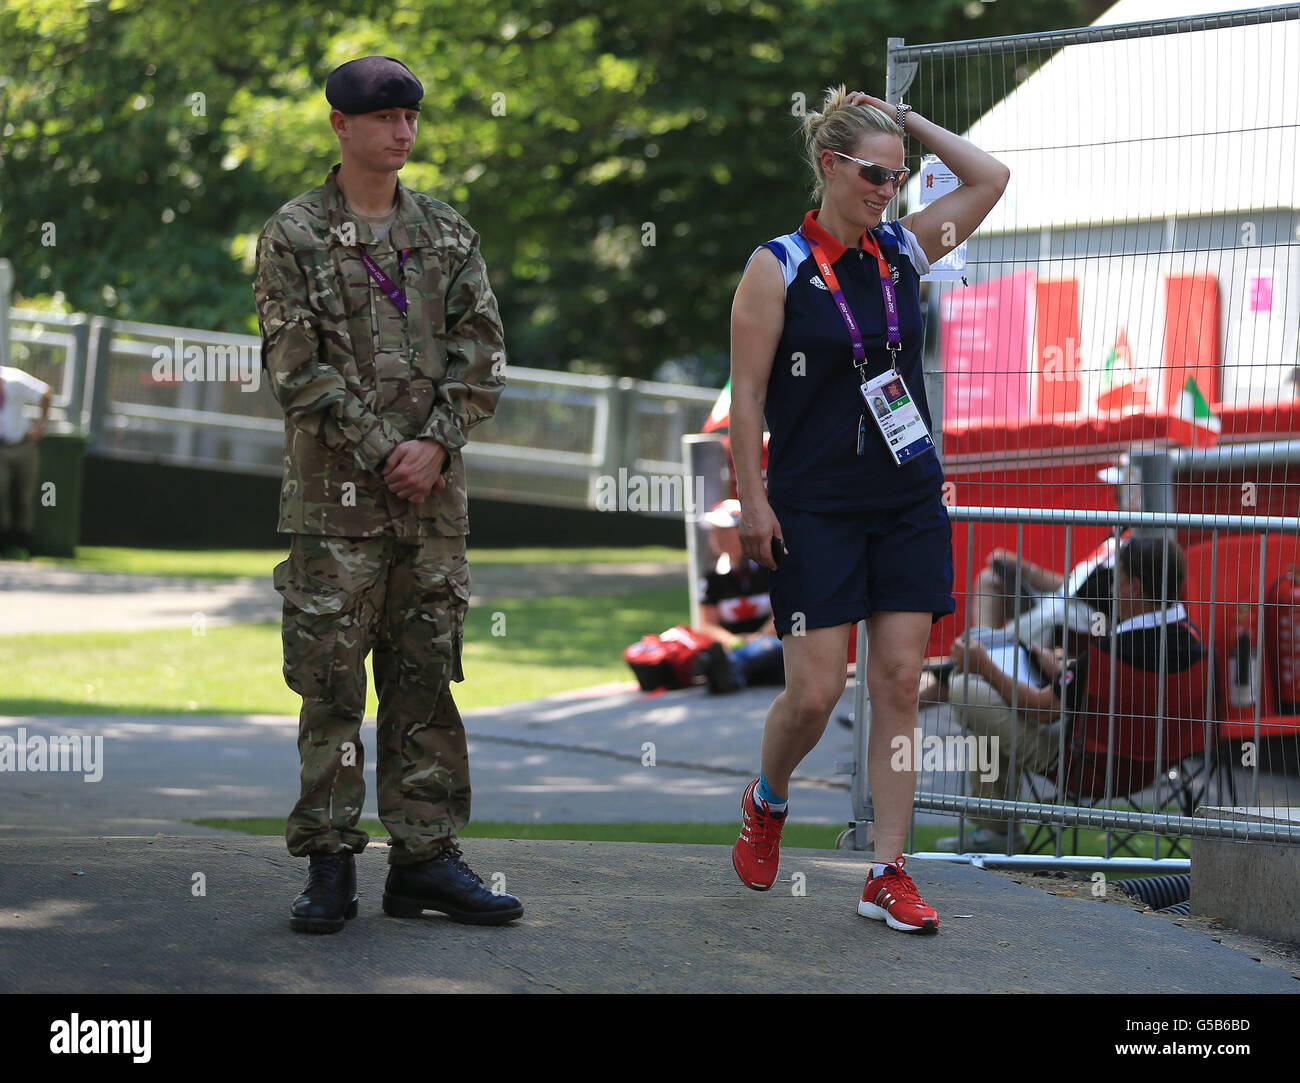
(1153, 734)
(1187, 784)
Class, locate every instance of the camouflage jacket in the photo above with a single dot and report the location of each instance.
(355, 376)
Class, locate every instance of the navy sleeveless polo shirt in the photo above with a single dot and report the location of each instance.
(813, 403)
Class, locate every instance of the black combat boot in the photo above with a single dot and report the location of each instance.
(330, 897)
(447, 884)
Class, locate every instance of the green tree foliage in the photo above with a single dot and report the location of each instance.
(158, 135)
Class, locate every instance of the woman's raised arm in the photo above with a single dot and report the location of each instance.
(942, 225)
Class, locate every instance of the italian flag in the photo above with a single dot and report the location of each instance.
(1121, 387)
(1192, 423)
(720, 416)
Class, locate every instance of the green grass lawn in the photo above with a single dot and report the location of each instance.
(1092, 842)
(813, 836)
(550, 645)
(232, 563)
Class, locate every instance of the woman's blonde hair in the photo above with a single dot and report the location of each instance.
(840, 127)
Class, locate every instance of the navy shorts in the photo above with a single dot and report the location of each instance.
(842, 567)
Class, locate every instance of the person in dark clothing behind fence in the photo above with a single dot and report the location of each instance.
(1159, 698)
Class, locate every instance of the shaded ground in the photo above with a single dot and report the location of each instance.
(86, 912)
(1271, 953)
(122, 915)
(580, 757)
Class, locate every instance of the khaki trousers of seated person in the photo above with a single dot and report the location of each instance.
(980, 711)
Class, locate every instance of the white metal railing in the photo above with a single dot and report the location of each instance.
(556, 435)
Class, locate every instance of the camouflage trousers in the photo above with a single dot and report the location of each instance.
(406, 602)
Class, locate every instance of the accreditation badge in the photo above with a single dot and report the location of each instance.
(900, 423)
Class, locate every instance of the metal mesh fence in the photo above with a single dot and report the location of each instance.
(1113, 357)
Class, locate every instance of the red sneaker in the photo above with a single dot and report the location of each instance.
(892, 898)
(758, 850)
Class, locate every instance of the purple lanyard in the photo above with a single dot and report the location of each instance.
(886, 288)
(386, 284)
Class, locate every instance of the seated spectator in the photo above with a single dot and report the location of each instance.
(735, 611)
(1078, 697)
(1044, 596)
(1049, 609)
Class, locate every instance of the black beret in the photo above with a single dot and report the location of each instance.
(373, 83)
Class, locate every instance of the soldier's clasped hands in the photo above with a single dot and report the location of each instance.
(414, 469)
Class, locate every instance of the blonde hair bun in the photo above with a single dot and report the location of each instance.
(839, 127)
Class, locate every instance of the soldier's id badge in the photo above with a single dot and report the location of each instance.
(896, 416)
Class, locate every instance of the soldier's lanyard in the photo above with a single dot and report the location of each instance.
(395, 292)
(869, 244)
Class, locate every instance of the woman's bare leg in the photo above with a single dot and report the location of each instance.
(895, 648)
(816, 669)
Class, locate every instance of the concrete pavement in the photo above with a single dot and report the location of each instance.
(597, 756)
(565, 758)
(99, 892)
(95, 915)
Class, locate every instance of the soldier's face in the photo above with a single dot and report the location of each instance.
(381, 141)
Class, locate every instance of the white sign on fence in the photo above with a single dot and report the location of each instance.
(936, 180)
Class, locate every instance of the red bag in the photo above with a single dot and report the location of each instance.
(667, 660)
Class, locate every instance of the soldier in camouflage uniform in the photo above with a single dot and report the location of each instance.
(383, 344)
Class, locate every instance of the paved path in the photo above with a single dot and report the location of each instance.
(96, 886)
(92, 915)
(565, 758)
(53, 598)
(582, 758)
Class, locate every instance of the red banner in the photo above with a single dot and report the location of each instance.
(1058, 347)
(1192, 335)
(984, 350)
